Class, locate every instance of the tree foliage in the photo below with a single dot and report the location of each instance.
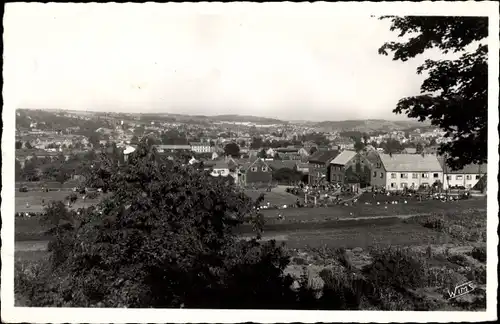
(232, 149)
(164, 237)
(94, 139)
(454, 95)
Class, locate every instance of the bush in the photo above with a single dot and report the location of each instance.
(92, 195)
(72, 197)
(433, 222)
(163, 238)
(477, 275)
(299, 261)
(399, 268)
(479, 253)
(459, 259)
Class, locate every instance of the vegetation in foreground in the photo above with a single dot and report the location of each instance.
(170, 242)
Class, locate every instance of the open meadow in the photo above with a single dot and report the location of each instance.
(35, 200)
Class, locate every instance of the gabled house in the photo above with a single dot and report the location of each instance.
(399, 171)
(291, 152)
(466, 177)
(270, 152)
(128, 150)
(302, 167)
(350, 167)
(255, 172)
(223, 168)
(319, 163)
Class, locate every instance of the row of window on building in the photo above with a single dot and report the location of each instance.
(254, 169)
(403, 185)
(406, 175)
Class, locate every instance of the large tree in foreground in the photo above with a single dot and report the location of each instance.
(455, 94)
(164, 237)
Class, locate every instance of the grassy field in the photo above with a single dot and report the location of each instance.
(362, 235)
(320, 214)
(35, 198)
(303, 218)
(275, 197)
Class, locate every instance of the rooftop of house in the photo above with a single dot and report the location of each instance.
(280, 164)
(410, 163)
(468, 169)
(287, 149)
(344, 157)
(323, 156)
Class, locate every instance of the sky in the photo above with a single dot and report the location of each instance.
(127, 58)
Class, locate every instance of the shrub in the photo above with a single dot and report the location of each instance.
(92, 195)
(433, 222)
(477, 275)
(458, 259)
(400, 268)
(299, 261)
(163, 238)
(479, 253)
(72, 197)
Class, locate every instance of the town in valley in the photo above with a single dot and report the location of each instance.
(247, 161)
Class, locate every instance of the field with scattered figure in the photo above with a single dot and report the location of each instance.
(275, 197)
(36, 199)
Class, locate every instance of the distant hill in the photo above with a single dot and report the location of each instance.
(246, 119)
(369, 125)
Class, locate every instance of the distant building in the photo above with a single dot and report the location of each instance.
(399, 171)
(256, 172)
(302, 167)
(319, 163)
(172, 148)
(128, 150)
(466, 177)
(344, 161)
(200, 147)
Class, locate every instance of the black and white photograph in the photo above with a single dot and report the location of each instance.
(250, 162)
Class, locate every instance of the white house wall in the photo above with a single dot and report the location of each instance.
(465, 180)
(398, 180)
(382, 178)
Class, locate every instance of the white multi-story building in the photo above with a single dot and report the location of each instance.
(199, 147)
(467, 177)
(399, 171)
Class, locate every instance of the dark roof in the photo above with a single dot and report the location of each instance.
(323, 156)
(276, 164)
(288, 149)
(372, 156)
